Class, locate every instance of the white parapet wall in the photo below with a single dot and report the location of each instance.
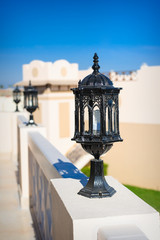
(61, 214)
(135, 161)
(8, 133)
(77, 217)
(23, 158)
(46, 163)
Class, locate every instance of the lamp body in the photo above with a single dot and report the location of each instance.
(96, 115)
(30, 101)
(16, 97)
(96, 125)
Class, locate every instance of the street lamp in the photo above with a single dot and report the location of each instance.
(96, 125)
(16, 97)
(30, 101)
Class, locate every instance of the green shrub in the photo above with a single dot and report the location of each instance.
(152, 197)
(86, 169)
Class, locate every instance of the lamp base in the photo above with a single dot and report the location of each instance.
(97, 187)
(31, 121)
(17, 110)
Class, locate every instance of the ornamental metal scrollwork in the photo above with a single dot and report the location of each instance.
(85, 101)
(98, 99)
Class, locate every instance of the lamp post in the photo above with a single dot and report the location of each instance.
(96, 125)
(16, 97)
(30, 101)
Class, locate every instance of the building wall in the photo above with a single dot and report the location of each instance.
(57, 115)
(139, 99)
(59, 70)
(44, 72)
(136, 161)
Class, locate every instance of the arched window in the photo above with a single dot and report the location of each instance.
(96, 120)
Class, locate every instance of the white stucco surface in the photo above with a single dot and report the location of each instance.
(40, 72)
(88, 215)
(139, 99)
(23, 138)
(8, 133)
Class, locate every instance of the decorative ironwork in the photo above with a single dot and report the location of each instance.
(96, 125)
(30, 101)
(16, 97)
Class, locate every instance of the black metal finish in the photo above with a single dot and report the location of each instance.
(30, 102)
(96, 125)
(16, 97)
(97, 187)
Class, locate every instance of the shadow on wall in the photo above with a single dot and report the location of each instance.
(68, 170)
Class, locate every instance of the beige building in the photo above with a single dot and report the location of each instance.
(136, 161)
(56, 101)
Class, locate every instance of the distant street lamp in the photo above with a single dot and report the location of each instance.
(16, 97)
(30, 101)
(96, 126)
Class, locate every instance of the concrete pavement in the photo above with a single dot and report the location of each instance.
(15, 223)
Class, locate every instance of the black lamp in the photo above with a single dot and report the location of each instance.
(16, 97)
(96, 125)
(30, 101)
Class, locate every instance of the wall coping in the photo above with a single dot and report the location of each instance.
(88, 215)
(46, 153)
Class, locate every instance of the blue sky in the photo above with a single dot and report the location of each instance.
(125, 34)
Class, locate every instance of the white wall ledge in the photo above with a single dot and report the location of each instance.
(23, 158)
(88, 215)
(48, 157)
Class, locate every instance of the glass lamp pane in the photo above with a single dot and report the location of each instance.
(86, 120)
(30, 100)
(110, 123)
(24, 102)
(79, 124)
(107, 120)
(113, 117)
(19, 95)
(33, 101)
(96, 120)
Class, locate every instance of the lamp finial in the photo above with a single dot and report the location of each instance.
(95, 66)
